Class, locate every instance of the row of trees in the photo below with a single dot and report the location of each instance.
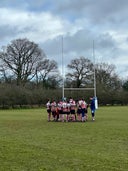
(28, 77)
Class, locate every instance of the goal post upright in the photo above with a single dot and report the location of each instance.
(62, 70)
(94, 70)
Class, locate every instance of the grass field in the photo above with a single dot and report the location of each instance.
(29, 143)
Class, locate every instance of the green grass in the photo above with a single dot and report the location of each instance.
(29, 143)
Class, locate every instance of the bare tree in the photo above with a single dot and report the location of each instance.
(106, 76)
(45, 68)
(108, 83)
(22, 59)
(80, 72)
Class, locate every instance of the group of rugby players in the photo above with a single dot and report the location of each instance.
(67, 110)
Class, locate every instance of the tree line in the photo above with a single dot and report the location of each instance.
(28, 78)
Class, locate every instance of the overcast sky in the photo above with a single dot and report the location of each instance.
(78, 21)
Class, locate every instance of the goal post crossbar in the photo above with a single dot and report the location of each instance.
(79, 88)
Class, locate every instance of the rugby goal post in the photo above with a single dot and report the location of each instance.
(76, 89)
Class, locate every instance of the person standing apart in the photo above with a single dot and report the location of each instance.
(92, 107)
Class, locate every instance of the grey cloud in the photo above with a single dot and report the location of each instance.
(29, 5)
(13, 4)
(81, 44)
(97, 12)
(127, 39)
(7, 32)
(105, 41)
(101, 11)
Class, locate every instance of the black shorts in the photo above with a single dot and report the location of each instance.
(86, 111)
(73, 112)
(60, 111)
(54, 113)
(49, 110)
(68, 113)
(64, 112)
(83, 110)
(79, 111)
